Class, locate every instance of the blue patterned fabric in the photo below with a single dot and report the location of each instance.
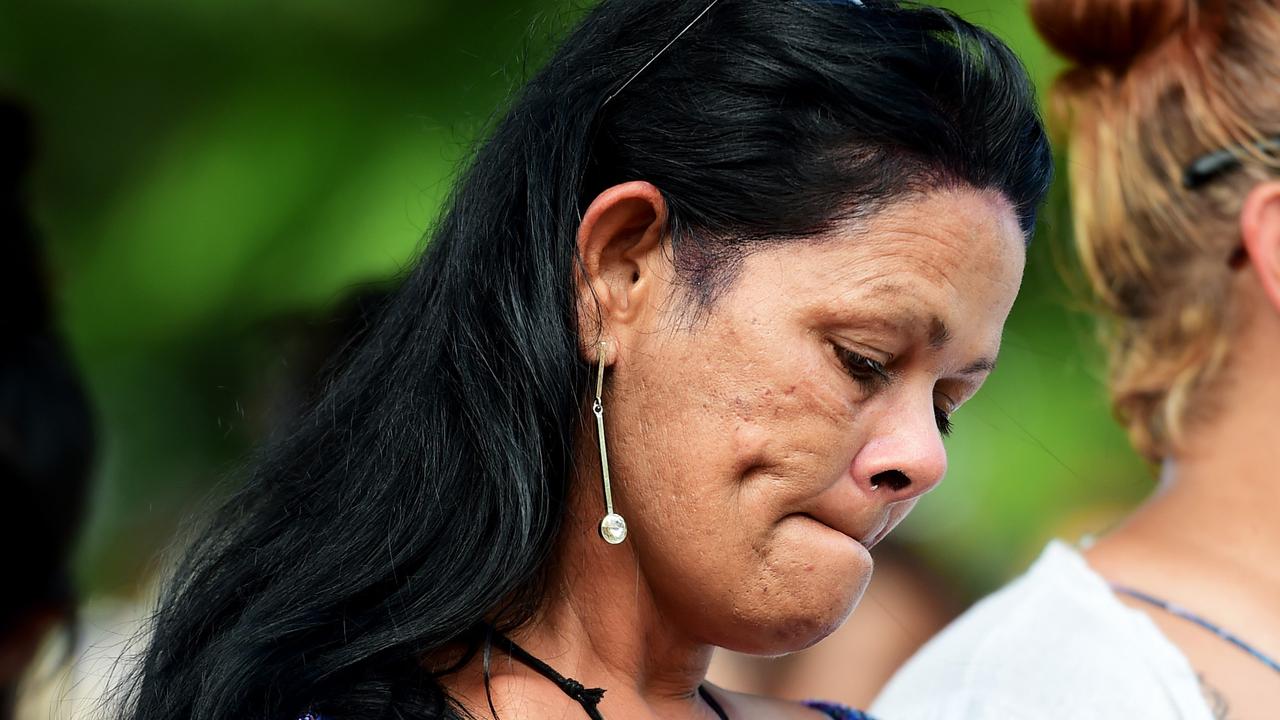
(838, 712)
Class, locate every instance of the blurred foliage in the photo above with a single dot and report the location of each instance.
(216, 174)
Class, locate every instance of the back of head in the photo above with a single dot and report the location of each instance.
(1154, 85)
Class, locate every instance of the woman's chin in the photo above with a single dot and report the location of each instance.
(804, 601)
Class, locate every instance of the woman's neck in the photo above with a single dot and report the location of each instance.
(1217, 501)
(1220, 510)
(601, 626)
(604, 622)
(1207, 541)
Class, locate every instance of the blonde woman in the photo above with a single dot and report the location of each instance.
(1172, 111)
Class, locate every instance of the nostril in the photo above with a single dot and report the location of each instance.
(893, 479)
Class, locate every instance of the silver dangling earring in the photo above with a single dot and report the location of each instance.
(612, 528)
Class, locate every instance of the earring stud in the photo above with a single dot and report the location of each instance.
(612, 528)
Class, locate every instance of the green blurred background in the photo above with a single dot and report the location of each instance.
(215, 177)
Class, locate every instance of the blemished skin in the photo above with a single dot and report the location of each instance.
(749, 441)
(1208, 539)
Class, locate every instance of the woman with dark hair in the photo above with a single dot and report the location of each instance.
(681, 349)
(1172, 110)
(47, 434)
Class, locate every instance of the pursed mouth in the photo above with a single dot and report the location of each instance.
(865, 539)
(881, 533)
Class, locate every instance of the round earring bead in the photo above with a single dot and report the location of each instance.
(613, 528)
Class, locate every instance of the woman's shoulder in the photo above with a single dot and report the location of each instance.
(1057, 638)
(1058, 602)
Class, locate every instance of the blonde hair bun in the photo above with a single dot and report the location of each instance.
(1111, 34)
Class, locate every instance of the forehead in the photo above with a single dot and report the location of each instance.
(946, 260)
(938, 237)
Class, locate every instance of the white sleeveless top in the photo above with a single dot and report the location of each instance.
(1055, 644)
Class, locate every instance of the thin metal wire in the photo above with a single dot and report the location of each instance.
(680, 34)
(598, 409)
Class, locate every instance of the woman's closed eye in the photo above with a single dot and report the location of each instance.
(873, 375)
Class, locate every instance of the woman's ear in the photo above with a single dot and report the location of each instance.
(624, 269)
(1260, 231)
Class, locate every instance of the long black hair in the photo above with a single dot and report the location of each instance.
(423, 492)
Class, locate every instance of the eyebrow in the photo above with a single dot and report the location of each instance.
(940, 335)
(979, 366)
(938, 332)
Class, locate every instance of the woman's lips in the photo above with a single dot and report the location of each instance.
(879, 534)
(863, 535)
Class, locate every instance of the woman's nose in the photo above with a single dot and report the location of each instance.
(904, 460)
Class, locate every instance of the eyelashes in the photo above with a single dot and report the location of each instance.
(866, 371)
(873, 375)
(945, 426)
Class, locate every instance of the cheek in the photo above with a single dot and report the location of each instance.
(734, 435)
(713, 460)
